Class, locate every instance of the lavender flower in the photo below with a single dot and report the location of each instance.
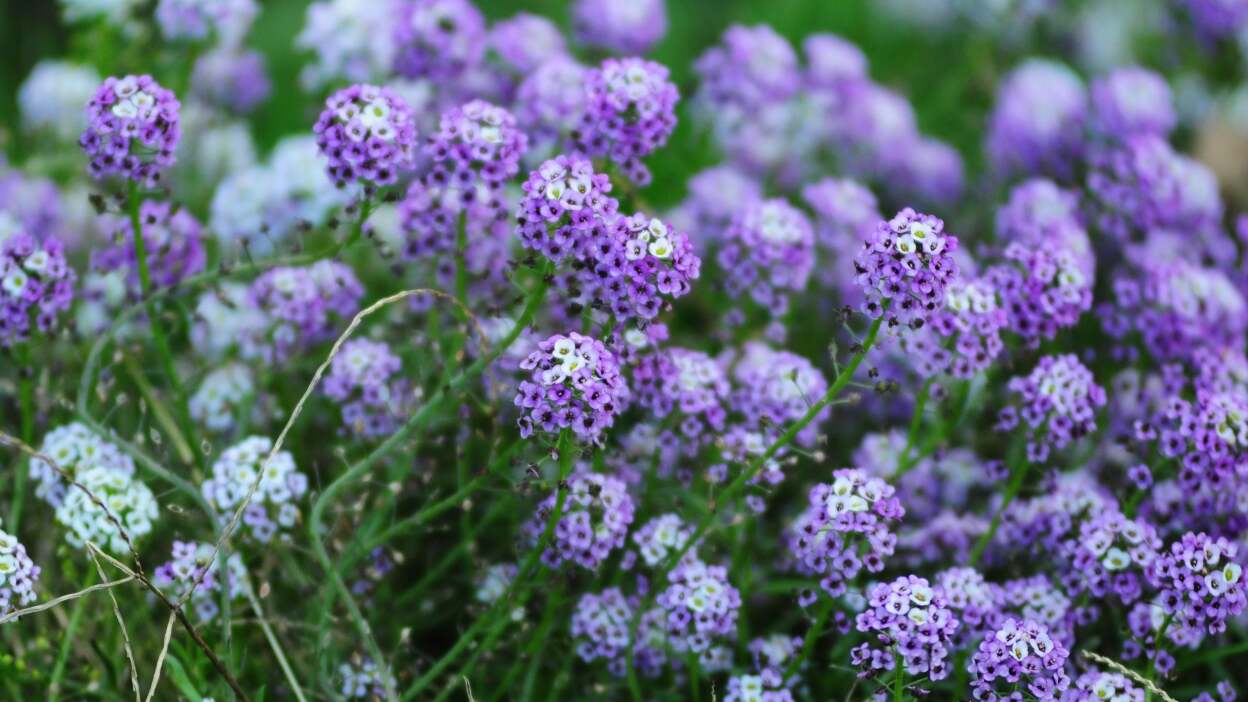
(630, 112)
(846, 527)
(832, 61)
(362, 380)
(18, 575)
(1058, 402)
(278, 487)
(173, 241)
(475, 142)
(1044, 289)
(701, 606)
(963, 337)
(1036, 127)
(1200, 581)
(912, 621)
(621, 26)
(305, 305)
(368, 134)
(132, 129)
(576, 385)
(905, 267)
(35, 282)
(638, 267)
(1131, 100)
(75, 449)
(768, 253)
(595, 520)
(1111, 555)
(565, 207)
(438, 39)
(601, 626)
(1016, 654)
(751, 66)
(192, 565)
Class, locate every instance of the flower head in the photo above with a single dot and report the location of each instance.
(132, 129)
(630, 112)
(278, 486)
(35, 282)
(595, 520)
(368, 134)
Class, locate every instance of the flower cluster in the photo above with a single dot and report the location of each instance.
(565, 208)
(132, 129)
(767, 254)
(195, 20)
(438, 39)
(365, 681)
(596, 516)
(74, 449)
(193, 567)
(576, 385)
(476, 142)
(845, 213)
(525, 42)
(964, 336)
(715, 196)
(52, 96)
(303, 305)
(773, 389)
(1131, 100)
(222, 396)
(970, 597)
(847, 526)
(621, 26)
(904, 268)
(550, 101)
(495, 581)
(1200, 581)
(701, 606)
(35, 281)
(1017, 654)
(639, 265)
(600, 628)
(124, 514)
(1099, 686)
(352, 41)
(368, 134)
(1057, 401)
(1111, 555)
(912, 621)
(18, 574)
(233, 79)
(630, 112)
(689, 383)
(270, 487)
(767, 686)
(173, 243)
(1037, 126)
(361, 379)
(661, 537)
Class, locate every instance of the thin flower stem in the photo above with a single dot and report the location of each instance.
(71, 631)
(26, 401)
(899, 679)
(812, 635)
(916, 422)
(1016, 484)
(461, 258)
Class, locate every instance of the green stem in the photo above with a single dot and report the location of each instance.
(71, 631)
(899, 680)
(1016, 484)
(916, 421)
(1157, 646)
(461, 260)
(26, 401)
(808, 645)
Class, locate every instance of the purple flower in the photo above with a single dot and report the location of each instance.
(1057, 403)
(1020, 654)
(565, 208)
(620, 26)
(688, 386)
(195, 20)
(438, 39)
(304, 306)
(963, 337)
(1036, 127)
(904, 268)
(526, 41)
(35, 282)
(767, 686)
(601, 627)
(638, 267)
(701, 606)
(846, 212)
(1096, 686)
(1200, 581)
(596, 515)
(662, 536)
(576, 384)
(132, 129)
(475, 143)
(630, 112)
(911, 622)
(1132, 100)
(18, 574)
(832, 61)
(1044, 287)
(550, 102)
(750, 67)
(1216, 19)
(846, 528)
(772, 389)
(1109, 556)
(173, 241)
(278, 488)
(192, 565)
(362, 380)
(368, 134)
(234, 79)
(767, 254)
(715, 196)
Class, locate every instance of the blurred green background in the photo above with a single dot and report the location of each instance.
(948, 81)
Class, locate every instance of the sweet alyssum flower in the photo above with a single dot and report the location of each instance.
(904, 268)
(75, 449)
(362, 379)
(173, 240)
(596, 515)
(1020, 654)
(701, 606)
(772, 389)
(845, 213)
(630, 112)
(438, 39)
(303, 305)
(621, 26)
(715, 196)
(52, 96)
(963, 337)
(767, 686)
(231, 78)
(660, 537)
(18, 574)
(222, 396)
(576, 385)
(195, 20)
(132, 129)
(638, 266)
(366, 680)
(352, 41)
(368, 134)
(1057, 401)
(192, 565)
(476, 141)
(526, 41)
(1037, 125)
(1131, 100)
(277, 486)
(565, 207)
(1200, 581)
(767, 254)
(600, 627)
(550, 101)
(126, 501)
(688, 386)
(912, 621)
(35, 282)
